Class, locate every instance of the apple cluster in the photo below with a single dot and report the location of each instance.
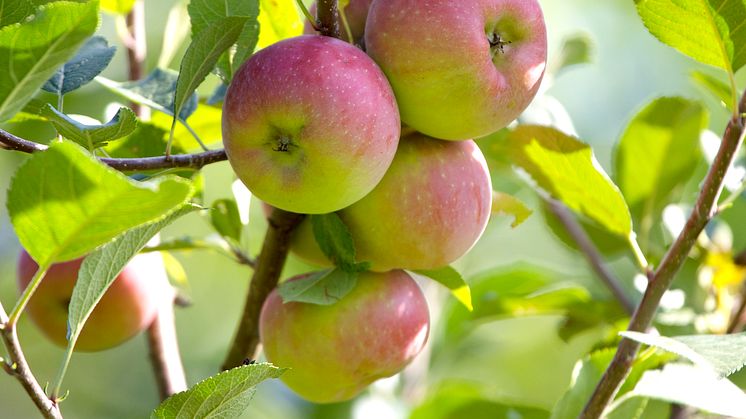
(379, 130)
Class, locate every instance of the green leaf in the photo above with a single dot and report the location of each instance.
(146, 140)
(606, 242)
(92, 58)
(14, 11)
(575, 50)
(226, 219)
(509, 205)
(154, 91)
(693, 386)
(658, 152)
(723, 354)
(64, 203)
(31, 52)
(226, 395)
(100, 269)
(710, 31)
(454, 281)
(718, 88)
(279, 20)
(91, 136)
(336, 242)
(202, 55)
(627, 408)
(322, 288)
(117, 7)
(566, 169)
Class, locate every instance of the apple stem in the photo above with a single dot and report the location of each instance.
(269, 266)
(660, 280)
(328, 18)
(311, 19)
(26, 296)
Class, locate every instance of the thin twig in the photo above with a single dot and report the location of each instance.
(18, 368)
(266, 274)
(703, 211)
(591, 253)
(137, 46)
(737, 320)
(195, 161)
(164, 351)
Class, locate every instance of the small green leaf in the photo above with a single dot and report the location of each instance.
(100, 268)
(658, 152)
(693, 386)
(723, 354)
(202, 55)
(154, 91)
(454, 281)
(710, 31)
(92, 58)
(14, 11)
(566, 169)
(91, 136)
(226, 395)
(31, 52)
(64, 203)
(336, 242)
(117, 7)
(509, 205)
(575, 50)
(322, 288)
(718, 88)
(226, 219)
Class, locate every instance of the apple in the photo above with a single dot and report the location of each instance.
(430, 208)
(128, 306)
(459, 69)
(310, 124)
(335, 351)
(356, 13)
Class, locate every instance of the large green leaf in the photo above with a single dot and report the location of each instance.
(31, 52)
(91, 136)
(565, 168)
(710, 31)
(14, 11)
(226, 395)
(723, 354)
(658, 153)
(64, 203)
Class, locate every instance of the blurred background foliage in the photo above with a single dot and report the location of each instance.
(538, 307)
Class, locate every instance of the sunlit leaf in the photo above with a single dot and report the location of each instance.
(64, 203)
(454, 281)
(710, 31)
(505, 204)
(31, 52)
(278, 20)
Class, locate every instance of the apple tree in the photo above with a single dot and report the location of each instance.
(373, 208)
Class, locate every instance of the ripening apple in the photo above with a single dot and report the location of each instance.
(335, 351)
(356, 13)
(430, 208)
(459, 69)
(128, 306)
(310, 124)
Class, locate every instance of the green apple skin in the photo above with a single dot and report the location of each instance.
(334, 352)
(356, 13)
(310, 124)
(452, 78)
(128, 306)
(430, 209)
